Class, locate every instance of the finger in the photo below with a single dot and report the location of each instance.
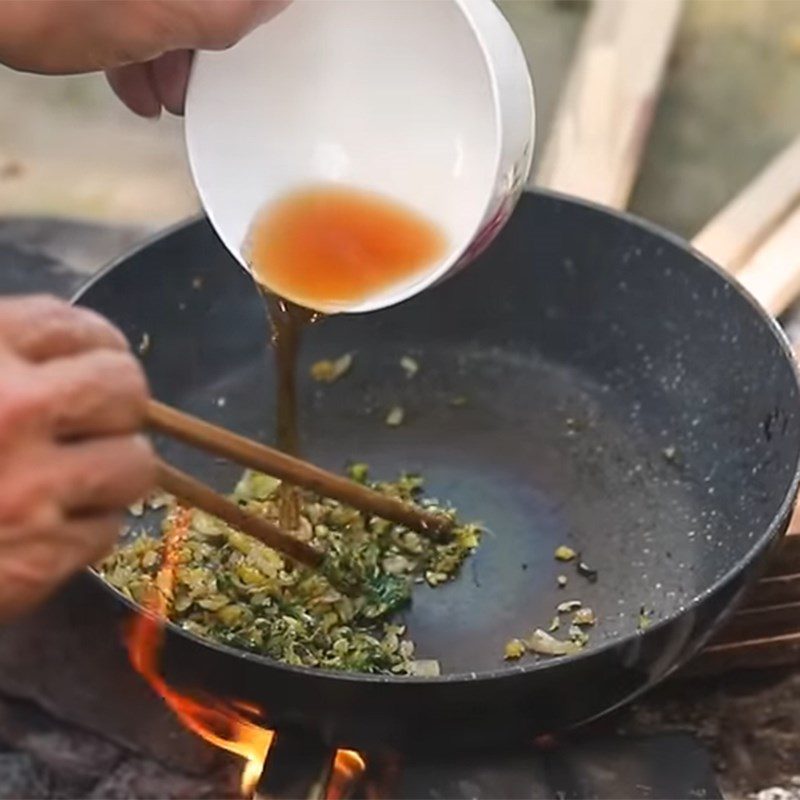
(40, 327)
(134, 85)
(100, 392)
(171, 77)
(217, 24)
(103, 474)
(94, 534)
(33, 567)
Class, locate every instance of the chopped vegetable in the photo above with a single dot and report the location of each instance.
(136, 509)
(645, 619)
(555, 624)
(514, 649)
(425, 668)
(562, 581)
(395, 416)
(587, 572)
(410, 365)
(564, 553)
(256, 485)
(578, 636)
(144, 344)
(158, 499)
(327, 371)
(568, 606)
(231, 588)
(584, 616)
(358, 472)
(546, 645)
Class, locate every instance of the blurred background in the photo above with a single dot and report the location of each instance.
(730, 101)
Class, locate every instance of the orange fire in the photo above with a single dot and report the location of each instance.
(224, 725)
(348, 766)
(217, 723)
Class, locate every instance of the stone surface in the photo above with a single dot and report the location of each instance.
(68, 659)
(138, 779)
(75, 756)
(750, 721)
(20, 777)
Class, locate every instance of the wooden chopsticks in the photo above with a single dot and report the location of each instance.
(195, 493)
(248, 453)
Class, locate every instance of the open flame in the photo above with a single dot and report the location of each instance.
(222, 725)
(348, 766)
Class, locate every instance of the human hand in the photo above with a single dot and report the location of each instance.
(72, 402)
(145, 46)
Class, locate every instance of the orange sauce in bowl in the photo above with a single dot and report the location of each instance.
(330, 247)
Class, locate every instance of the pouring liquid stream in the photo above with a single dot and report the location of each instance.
(328, 248)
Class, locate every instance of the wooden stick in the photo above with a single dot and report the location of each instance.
(605, 112)
(772, 273)
(755, 622)
(755, 236)
(194, 493)
(763, 651)
(735, 233)
(257, 456)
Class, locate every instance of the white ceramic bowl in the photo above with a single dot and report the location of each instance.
(428, 102)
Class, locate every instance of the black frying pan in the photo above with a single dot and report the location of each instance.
(624, 397)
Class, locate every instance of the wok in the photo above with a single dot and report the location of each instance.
(623, 396)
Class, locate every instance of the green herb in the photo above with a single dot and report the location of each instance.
(358, 472)
(231, 588)
(645, 619)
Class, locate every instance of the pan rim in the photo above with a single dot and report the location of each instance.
(508, 671)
